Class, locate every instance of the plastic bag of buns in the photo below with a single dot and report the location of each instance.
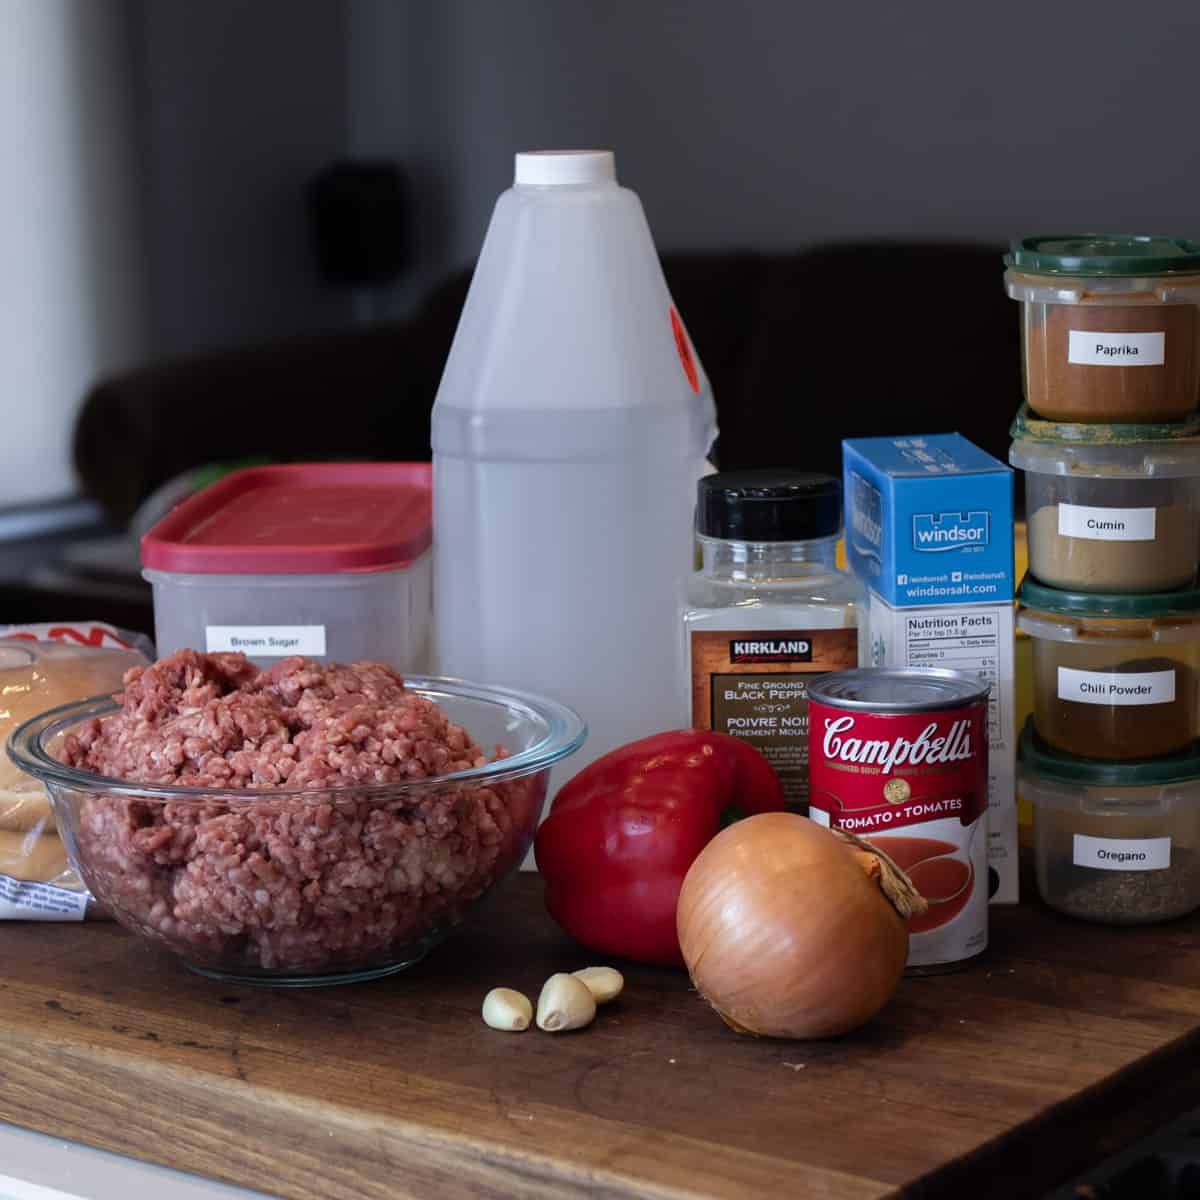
(74, 662)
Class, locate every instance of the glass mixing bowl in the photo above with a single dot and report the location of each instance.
(302, 887)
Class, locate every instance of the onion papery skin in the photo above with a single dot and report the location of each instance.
(785, 934)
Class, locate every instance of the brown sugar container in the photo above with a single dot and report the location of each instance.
(1109, 325)
(1114, 676)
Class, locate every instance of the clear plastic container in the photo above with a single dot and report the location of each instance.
(768, 611)
(331, 561)
(1118, 513)
(1109, 325)
(1117, 843)
(1114, 676)
(570, 427)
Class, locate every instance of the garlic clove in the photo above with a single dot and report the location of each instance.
(565, 1003)
(605, 983)
(506, 1009)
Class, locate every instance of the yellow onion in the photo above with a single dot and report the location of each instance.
(792, 930)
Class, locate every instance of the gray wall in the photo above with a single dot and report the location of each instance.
(241, 101)
(771, 124)
(71, 252)
(776, 124)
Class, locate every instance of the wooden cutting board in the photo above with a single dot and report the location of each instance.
(1066, 1042)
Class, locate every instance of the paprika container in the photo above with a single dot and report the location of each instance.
(1109, 325)
(1110, 508)
(1114, 676)
(570, 427)
(899, 755)
(1117, 843)
(331, 561)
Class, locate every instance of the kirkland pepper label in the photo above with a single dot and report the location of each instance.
(753, 684)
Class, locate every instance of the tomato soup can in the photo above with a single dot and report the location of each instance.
(898, 755)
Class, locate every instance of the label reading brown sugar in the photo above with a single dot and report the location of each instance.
(754, 685)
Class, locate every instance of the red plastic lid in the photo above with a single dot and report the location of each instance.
(299, 519)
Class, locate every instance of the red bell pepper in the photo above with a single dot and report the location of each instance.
(621, 835)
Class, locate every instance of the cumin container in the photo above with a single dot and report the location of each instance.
(1114, 676)
(1117, 843)
(1109, 325)
(899, 755)
(1110, 508)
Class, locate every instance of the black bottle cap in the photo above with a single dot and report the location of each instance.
(769, 505)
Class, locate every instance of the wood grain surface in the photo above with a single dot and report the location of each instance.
(1067, 1041)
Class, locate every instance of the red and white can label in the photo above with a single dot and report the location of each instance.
(915, 785)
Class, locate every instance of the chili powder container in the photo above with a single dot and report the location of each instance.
(1114, 675)
(899, 755)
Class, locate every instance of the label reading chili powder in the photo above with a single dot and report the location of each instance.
(915, 785)
(1116, 687)
(754, 684)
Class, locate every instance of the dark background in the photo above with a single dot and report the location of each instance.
(767, 125)
(831, 187)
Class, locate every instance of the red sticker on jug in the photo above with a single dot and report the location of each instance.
(685, 351)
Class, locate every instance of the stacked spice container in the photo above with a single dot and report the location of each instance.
(1109, 440)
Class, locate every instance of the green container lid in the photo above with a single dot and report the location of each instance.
(1147, 605)
(1038, 758)
(1094, 254)
(1094, 433)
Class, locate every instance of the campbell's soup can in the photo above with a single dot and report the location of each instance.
(898, 755)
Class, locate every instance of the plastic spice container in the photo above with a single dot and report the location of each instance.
(1117, 843)
(1113, 512)
(328, 560)
(1109, 325)
(1114, 677)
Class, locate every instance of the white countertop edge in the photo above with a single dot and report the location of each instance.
(36, 1167)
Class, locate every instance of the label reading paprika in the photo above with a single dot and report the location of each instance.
(754, 685)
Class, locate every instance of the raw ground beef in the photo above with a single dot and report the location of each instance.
(281, 884)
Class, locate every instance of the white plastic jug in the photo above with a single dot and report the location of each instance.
(572, 422)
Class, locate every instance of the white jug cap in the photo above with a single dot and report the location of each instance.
(558, 168)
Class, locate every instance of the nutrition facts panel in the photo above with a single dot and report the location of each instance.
(963, 641)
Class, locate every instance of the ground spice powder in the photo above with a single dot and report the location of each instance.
(1061, 390)
(1115, 732)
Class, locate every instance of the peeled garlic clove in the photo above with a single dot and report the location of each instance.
(605, 983)
(505, 1009)
(565, 1003)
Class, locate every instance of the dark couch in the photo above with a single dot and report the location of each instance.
(802, 350)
